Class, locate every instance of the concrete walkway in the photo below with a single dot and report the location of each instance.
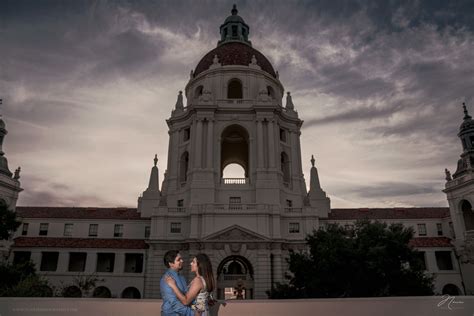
(392, 306)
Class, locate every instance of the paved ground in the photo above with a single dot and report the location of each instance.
(399, 306)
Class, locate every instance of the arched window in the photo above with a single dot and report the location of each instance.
(131, 292)
(468, 215)
(235, 150)
(271, 92)
(102, 292)
(234, 89)
(285, 167)
(183, 167)
(451, 289)
(198, 92)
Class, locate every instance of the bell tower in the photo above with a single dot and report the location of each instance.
(233, 116)
(460, 193)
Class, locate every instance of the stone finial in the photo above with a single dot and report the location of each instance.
(289, 102)
(466, 114)
(191, 74)
(156, 159)
(312, 160)
(277, 75)
(234, 10)
(17, 173)
(215, 60)
(179, 102)
(448, 175)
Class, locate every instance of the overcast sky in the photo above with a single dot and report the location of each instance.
(87, 86)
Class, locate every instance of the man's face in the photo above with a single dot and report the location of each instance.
(177, 265)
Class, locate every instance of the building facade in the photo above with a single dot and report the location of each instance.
(247, 224)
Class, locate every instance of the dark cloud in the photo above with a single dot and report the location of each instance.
(394, 189)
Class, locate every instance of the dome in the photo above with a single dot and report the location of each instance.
(234, 53)
(234, 18)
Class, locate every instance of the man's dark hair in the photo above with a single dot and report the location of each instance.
(169, 257)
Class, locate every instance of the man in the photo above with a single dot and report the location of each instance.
(171, 305)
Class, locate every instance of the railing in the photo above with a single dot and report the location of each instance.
(176, 209)
(231, 207)
(235, 180)
(293, 209)
(235, 277)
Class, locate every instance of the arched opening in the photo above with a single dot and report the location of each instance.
(285, 167)
(198, 92)
(451, 289)
(102, 292)
(234, 89)
(183, 167)
(72, 291)
(235, 278)
(468, 215)
(131, 292)
(235, 150)
(271, 92)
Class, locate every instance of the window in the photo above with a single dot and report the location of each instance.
(285, 168)
(77, 261)
(93, 228)
(43, 229)
(421, 229)
(235, 203)
(20, 257)
(439, 226)
(282, 135)
(420, 257)
(289, 203)
(234, 30)
(234, 89)
(68, 230)
(24, 230)
(294, 228)
(133, 263)
(49, 261)
(175, 228)
(443, 260)
(183, 168)
(186, 134)
(180, 205)
(105, 262)
(147, 231)
(118, 230)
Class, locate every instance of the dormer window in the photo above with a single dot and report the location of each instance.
(234, 89)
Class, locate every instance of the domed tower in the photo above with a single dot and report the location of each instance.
(460, 193)
(234, 185)
(9, 182)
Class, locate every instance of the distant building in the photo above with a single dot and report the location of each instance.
(247, 224)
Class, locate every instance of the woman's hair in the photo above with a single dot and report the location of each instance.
(205, 270)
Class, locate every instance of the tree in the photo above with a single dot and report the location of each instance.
(21, 280)
(8, 222)
(366, 261)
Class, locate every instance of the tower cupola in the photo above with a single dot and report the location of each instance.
(234, 29)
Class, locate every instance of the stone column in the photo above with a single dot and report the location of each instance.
(210, 136)
(198, 149)
(271, 144)
(260, 145)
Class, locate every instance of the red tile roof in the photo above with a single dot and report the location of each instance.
(79, 212)
(421, 242)
(79, 243)
(388, 213)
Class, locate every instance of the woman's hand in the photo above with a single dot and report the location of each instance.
(170, 281)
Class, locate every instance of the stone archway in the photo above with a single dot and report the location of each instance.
(235, 148)
(235, 278)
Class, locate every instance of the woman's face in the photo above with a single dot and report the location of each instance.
(194, 265)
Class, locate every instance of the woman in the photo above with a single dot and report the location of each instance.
(200, 286)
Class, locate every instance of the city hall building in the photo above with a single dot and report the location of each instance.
(234, 115)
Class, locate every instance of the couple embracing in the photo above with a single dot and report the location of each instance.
(178, 298)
